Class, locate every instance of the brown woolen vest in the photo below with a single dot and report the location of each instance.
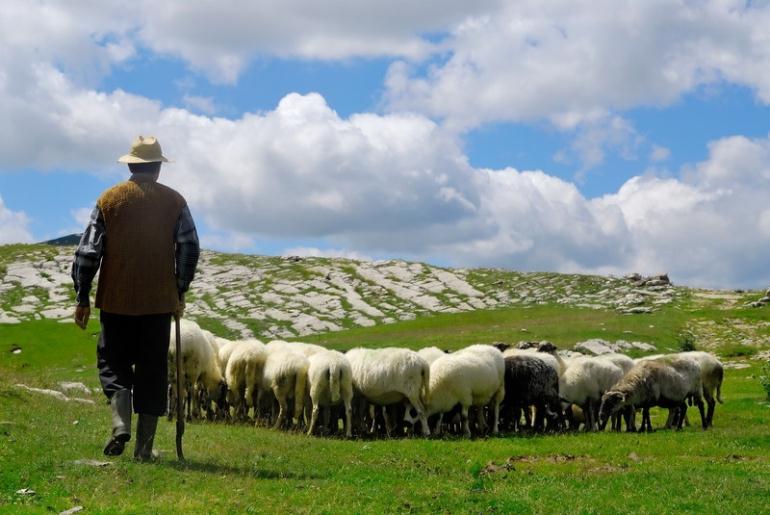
(138, 270)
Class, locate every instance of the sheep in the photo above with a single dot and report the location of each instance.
(225, 351)
(549, 358)
(690, 367)
(531, 381)
(544, 351)
(330, 381)
(712, 374)
(285, 375)
(621, 360)
(431, 354)
(649, 383)
(474, 376)
(244, 374)
(583, 383)
(200, 369)
(391, 375)
(306, 349)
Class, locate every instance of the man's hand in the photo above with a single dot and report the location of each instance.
(82, 314)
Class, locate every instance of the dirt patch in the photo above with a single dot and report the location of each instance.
(510, 463)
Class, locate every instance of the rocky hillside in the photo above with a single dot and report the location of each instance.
(271, 297)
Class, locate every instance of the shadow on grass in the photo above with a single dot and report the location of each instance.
(252, 472)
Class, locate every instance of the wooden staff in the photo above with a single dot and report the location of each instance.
(179, 407)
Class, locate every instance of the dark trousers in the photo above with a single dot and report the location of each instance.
(132, 353)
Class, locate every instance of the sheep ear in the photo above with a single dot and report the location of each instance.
(622, 397)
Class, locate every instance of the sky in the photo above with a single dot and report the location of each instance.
(601, 136)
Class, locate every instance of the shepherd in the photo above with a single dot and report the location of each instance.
(143, 237)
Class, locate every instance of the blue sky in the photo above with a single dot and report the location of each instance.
(465, 135)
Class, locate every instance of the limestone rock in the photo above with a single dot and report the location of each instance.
(594, 347)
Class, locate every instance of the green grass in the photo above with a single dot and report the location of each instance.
(240, 469)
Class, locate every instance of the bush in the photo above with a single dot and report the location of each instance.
(686, 341)
(764, 378)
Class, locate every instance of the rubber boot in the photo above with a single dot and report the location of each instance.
(120, 404)
(145, 436)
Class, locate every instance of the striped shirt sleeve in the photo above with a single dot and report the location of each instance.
(88, 257)
(187, 250)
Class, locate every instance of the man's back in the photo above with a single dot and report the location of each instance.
(138, 270)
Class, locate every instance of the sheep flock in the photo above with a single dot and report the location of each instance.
(474, 391)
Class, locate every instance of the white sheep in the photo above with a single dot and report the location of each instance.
(712, 374)
(621, 360)
(200, 368)
(391, 375)
(244, 375)
(584, 382)
(285, 375)
(330, 381)
(474, 376)
(431, 354)
(306, 349)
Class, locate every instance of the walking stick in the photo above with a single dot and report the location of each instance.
(179, 408)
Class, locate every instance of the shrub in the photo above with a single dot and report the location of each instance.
(764, 378)
(686, 341)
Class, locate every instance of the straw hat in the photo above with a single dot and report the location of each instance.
(144, 150)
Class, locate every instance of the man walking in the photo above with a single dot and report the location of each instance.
(142, 235)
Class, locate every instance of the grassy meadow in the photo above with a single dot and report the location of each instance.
(46, 443)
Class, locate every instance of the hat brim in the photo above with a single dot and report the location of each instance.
(128, 158)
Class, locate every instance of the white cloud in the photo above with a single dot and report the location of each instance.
(533, 60)
(400, 184)
(220, 38)
(14, 225)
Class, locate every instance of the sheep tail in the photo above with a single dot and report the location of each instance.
(424, 390)
(334, 383)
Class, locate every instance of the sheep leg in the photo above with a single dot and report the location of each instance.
(515, 418)
(439, 428)
(386, 418)
(283, 407)
(646, 423)
(326, 422)
(711, 405)
(373, 415)
(348, 419)
(196, 407)
(527, 417)
(589, 415)
(628, 415)
(496, 414)
(703, 417)
(420, 408)
(464, 419)
(188, 394)
(313, 418)
(480, 421)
